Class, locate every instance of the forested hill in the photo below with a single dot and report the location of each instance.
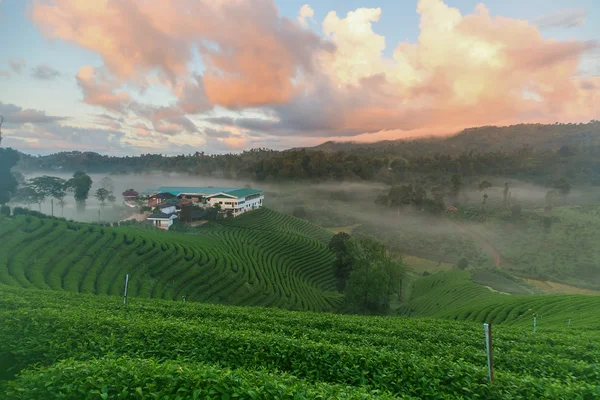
(535, 153)
(484, 138)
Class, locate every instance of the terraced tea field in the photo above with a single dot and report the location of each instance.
(66, 345)
(264, 258)
(453, 295)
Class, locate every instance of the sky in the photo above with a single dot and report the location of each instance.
(126, 77)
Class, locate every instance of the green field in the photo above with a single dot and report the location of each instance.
(67, 345)
(263, 258)
(453, 295)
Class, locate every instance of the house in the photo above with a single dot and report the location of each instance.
(159, 198)
(129, 197)
(162, 220)
(234, 200)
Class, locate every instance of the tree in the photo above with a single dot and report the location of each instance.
(102, 194)
(505, 202)
(456, 182)
(563, 187)
(49, 186)
(8, 183)
(484, 186)
(462, 264)
(80, 184)
(376, 274)
(27, 195)
(342, 266)
(108, 184)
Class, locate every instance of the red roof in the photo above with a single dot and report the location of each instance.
(452, 208)
(130, 193)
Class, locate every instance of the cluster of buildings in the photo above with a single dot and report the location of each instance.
(171, 200)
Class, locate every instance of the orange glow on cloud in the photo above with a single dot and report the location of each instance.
(464, 71)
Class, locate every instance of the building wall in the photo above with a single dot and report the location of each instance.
(238, 206)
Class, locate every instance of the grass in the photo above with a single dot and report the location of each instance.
(263, 258)
(67, 345)
(565, 251)
(418, 265)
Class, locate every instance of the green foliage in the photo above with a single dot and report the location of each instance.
(561, 246)
(102, 194)
(463, 263)
(80, 184)
(5, 210)
(342, 266)
(375, 275)
(261, 258)
(8, 183)
(81, 346)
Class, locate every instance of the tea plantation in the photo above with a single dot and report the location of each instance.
(453, 295)
(263, 258)
(79, 346)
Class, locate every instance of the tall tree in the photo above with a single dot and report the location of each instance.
(8, 183)
(102, 194)
(456, 182)
(505, 202)
(342, 266)
(375, 276)
(80, 184)
(108, 184)
(49, 186)
(564, 188)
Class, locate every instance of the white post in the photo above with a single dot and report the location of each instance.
(126, 284)
(569, 324)
(534, 322)
(488, 345)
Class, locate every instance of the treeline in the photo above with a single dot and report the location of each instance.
(425, 163)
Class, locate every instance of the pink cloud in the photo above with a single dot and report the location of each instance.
(464, 70)
(98, 89)
(253, 64)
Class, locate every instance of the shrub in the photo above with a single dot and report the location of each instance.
(5, 210)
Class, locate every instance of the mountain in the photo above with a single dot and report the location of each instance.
(485, 138)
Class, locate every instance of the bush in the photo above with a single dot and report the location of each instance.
(5, 210)
(463, 263)
(20, 211)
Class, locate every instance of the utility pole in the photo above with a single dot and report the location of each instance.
(52, 206)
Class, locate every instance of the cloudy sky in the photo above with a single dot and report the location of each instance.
(138, 76)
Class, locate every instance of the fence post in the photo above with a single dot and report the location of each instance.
(488, 345)
(126, 284)
(534, 322)
(569, 324)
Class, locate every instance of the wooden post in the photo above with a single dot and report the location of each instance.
(488, 345)
(126, 284)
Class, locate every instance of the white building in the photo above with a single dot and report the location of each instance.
(236, 200)
(162, 220)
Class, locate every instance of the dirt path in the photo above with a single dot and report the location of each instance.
(481, 240)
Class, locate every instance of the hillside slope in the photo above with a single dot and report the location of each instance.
(79, 346)
(483, 138)
(453, 295)
(243, 262)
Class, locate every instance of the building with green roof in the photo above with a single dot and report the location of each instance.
(234, 200)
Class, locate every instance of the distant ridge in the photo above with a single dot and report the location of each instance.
(486, 138)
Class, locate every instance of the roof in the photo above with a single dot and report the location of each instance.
(244, 192)
(162, 216)
(163, 195)
(203, 191)
(130, 193)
